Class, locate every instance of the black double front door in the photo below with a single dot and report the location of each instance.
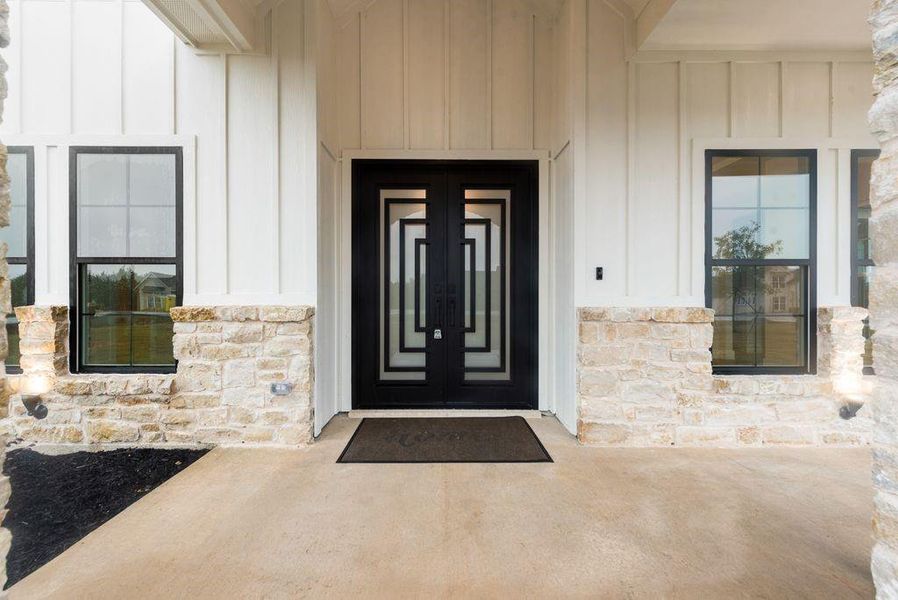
(444, 284)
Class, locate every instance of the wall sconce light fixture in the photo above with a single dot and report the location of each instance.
(33, 387)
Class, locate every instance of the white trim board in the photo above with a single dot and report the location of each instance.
(344, 276)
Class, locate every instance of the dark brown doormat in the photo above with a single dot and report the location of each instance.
(444, 440)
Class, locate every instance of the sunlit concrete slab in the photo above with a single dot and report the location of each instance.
(252, 523)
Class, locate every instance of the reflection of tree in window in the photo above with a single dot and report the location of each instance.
(742, 244)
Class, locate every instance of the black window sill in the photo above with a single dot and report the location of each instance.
(762, 371)
(125, 371)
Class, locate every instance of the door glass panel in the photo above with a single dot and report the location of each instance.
(403, 297)
(485, 282)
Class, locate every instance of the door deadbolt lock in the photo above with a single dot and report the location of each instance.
(437, 334)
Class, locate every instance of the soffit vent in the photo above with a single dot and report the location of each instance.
(190, 24)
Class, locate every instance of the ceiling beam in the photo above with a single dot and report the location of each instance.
(653, 13)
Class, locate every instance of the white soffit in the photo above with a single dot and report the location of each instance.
(761, 25)
(217, 25)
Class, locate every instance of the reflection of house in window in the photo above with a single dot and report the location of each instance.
(156, 292)
(783, 286)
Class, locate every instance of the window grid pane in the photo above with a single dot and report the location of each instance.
(126, 205)
(124, 314)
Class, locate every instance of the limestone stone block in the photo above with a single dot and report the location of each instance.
(215, 417)
(739, 414)
(192, 313)
(703, 436)
(691, 356)
(74, 386)
(604, 434)
(294, 435)
(789, 435)
(241, 415)
(183, 328)
(216, 435)
(748, 436)
(241, 333)
(101, 432)
(285, 313)
(287, 345)
(243, 397)
(239, 373)
(274, 417)
(102, 412)
(302, 328)
(140, 414)
(808, 410)
(151, 433)
(52, 434)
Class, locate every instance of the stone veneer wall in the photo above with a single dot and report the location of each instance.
(227, 359)
(884, 297)
(5, 302)
(644, 379)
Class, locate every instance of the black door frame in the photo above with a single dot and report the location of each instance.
(528, 357)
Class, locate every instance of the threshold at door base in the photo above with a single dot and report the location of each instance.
(394, 413)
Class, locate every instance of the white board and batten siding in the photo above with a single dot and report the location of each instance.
(446, 75)
(108, 72)
(649, 121)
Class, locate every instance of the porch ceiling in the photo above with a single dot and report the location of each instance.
(760, 25)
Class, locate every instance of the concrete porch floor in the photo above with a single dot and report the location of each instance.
(253, 523)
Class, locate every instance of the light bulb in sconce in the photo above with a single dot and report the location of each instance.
(33, 386)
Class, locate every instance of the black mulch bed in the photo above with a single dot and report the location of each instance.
(57, 500)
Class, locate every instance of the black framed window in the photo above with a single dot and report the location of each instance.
(760, 259)
(19, 239)
(126, 248)
(861, 257)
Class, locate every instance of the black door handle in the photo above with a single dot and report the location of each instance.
(451, 312)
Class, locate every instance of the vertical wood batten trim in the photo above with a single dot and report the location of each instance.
(489, 73)
(837, 222)
(631, 176)
(274, 63)
(19, 75)
(684, 214)
(363, 133)
(783, 67)
(833, 73)
(226, 255)
(447, 78)
(70, 7)
(533, 81)
(174, 84)
(406, 134)
(121, 63)
(731, 107)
